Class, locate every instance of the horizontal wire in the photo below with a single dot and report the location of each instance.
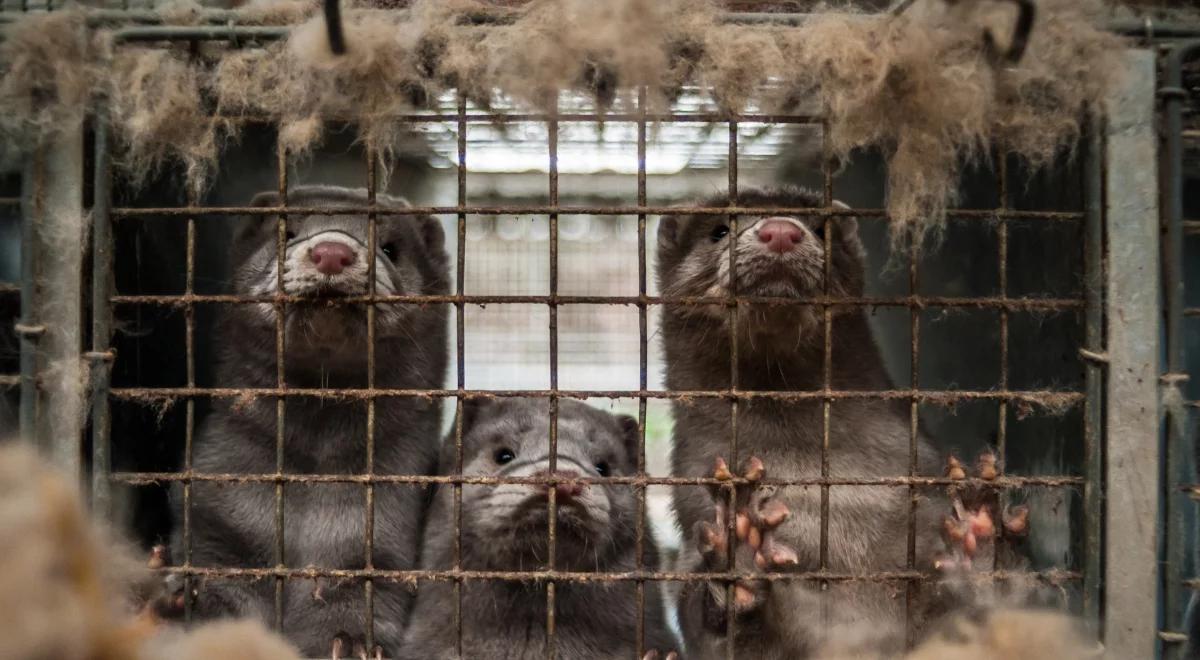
(146, 478)
(1053, 576)
(1029, 304)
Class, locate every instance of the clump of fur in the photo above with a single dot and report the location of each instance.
(62, 581)
(48, 68)
(246, 640)
(157, 107)
(921, 86)
(69, 590)
(1009, 634)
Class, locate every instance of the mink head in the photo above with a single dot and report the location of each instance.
(776, 255)
(505, 526)
(326, 257)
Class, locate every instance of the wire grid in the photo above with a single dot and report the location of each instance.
(109, 217)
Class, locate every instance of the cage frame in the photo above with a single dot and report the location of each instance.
(1099, 532)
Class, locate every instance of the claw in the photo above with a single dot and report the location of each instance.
(773, 513)
(954, 469)
(981, 523)
(158, 557)
(1016, 520)
(988, 470)
(341, 644)
(378, 652)
(721, 470)
(743, 597)
(754, 469)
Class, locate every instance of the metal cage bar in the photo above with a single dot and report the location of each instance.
(1004, 398)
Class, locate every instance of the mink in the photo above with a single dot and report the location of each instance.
(782, 348)
(325, 346)
(505, 528)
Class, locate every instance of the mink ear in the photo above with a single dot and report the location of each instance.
(252, 224)
(472, 409)
(630, 437)
(668, 232)
(432, 234)
(847, 225)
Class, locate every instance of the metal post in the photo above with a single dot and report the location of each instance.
(1132, 453)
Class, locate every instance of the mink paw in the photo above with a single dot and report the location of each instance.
(757, 514)
(655, 654)
(346, 646)
(971, 527)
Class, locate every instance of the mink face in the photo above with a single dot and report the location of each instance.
(774, 255)
(326, 257)
(505, 527)
(509, 522)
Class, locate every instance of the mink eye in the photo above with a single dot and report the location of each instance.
(719, 232)
(504, 455)
(602, 469)
(390, 250)
(819, 230)
(290, 235)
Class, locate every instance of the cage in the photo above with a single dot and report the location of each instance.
(1048, 324)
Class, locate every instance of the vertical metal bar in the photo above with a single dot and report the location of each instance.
(1178, 451)
(101, 317)
(369, 504)
(1093, 487)
(552, 510)
(1133, 457)
(640, 545)
(1002, 276)
(730, 532)
(28, 329)
(460, 279)
(280, 378)
(826, 372)
(190, 428)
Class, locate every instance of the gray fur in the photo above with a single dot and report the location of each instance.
(504, 528)
(324, 524)
(781, 348)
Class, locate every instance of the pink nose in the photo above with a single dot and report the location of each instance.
(780, 235)
(332, 257)
(563, 491)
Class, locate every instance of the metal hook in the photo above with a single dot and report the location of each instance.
(1020, 38)
(333, 22)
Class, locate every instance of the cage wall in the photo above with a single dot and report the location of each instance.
(552, 240)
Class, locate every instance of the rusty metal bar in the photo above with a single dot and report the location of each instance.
(246, 477)
(551, 503)
(280, 380)
(165, 212)
(460, 366)
(643, 359)
(369, 504)
(1093, 421)
(913, 301)
(1053, 399)
(1051, 576)
(734, 462)
(190, 428)
(100, 357)
(826, 367)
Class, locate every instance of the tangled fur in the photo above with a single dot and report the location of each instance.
(921, 87)
(69, 590)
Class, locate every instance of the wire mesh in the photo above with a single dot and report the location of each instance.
(1006, 399)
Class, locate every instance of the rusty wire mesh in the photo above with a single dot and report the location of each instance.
(1004, 398)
